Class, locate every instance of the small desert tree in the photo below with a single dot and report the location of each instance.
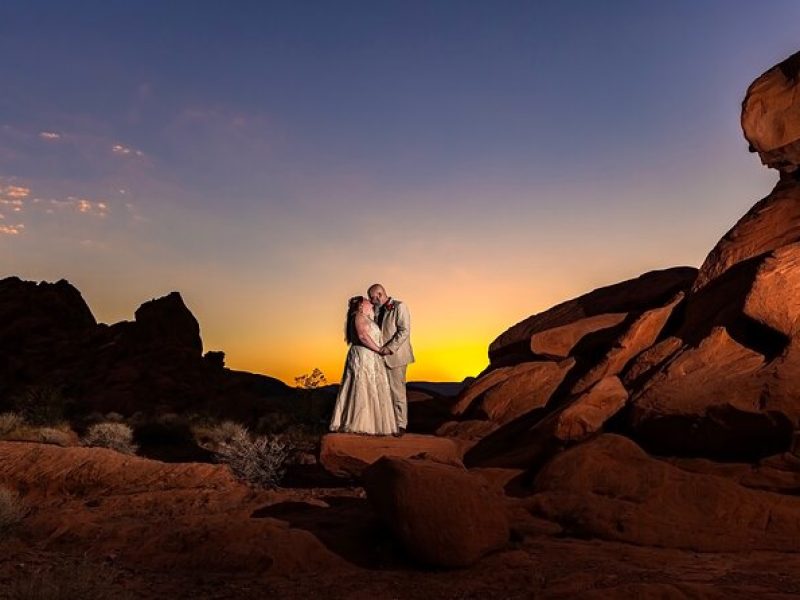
(313, 400)
(41, 405)
(311, 381)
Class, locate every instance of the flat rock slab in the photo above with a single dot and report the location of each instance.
(560, 341)
(348, 454)
(608, 488)
(153, 516)
(529, 386)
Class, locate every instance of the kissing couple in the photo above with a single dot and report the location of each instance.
(372, 395)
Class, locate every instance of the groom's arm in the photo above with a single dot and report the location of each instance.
(362, 331)
(403, 328)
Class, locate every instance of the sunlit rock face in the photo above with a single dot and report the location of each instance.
(771, 115)
(771, 223)
(589, 319)
(443, 515)
(703, 363)
(609, 489)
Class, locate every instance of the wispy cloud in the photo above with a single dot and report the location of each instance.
(49, 135)
(12, 197)
(14, 191)
(93, 208)
(18, 203)
(11, 229)
(81, 205)
(125, 150)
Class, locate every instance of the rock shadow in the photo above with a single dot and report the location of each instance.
(311, 476)
(347, 527)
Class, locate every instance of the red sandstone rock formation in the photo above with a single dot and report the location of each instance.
(771, 115)
(155, 515)
(443, 515)
(610, 489)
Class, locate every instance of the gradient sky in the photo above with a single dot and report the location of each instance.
(483, 160)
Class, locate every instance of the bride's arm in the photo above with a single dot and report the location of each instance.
(362, 331)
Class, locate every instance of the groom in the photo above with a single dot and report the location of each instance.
(395, 323)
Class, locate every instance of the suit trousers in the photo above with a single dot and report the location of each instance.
(397, 383)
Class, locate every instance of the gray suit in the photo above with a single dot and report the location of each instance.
(396, 328)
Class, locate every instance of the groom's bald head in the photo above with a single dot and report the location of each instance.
(377, 294)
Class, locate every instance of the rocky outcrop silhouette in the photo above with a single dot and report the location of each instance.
(154, 363)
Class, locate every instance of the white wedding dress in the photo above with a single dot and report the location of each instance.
(364, 403)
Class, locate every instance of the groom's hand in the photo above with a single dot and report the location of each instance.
(385, 351)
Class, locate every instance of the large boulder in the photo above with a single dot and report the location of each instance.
(771, 115)
(647, 291)
(528, 387)
(731, 390)
(610, 489)
(637, 337)
(530, 441)
(646, 362)
(443, 515)
(587, 413)
(559, 342)
(771, 223)
(465, 434)
(705, 400)
(478, 387)
(349, 454)
(760, 292)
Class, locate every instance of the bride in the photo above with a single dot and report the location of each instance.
(364, 403)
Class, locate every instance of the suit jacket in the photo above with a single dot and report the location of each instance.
(396, 327)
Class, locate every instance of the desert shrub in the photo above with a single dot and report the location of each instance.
(116, 436)
(211, 435)
(41, 404)
(52, 435)
(261, 461)
(275, 421)
(9, 421)
(168, 429)
(85, 580)
(60, 434)
(12, 510)
(302, 438)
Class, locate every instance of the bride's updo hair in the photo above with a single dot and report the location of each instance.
(353, 307)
